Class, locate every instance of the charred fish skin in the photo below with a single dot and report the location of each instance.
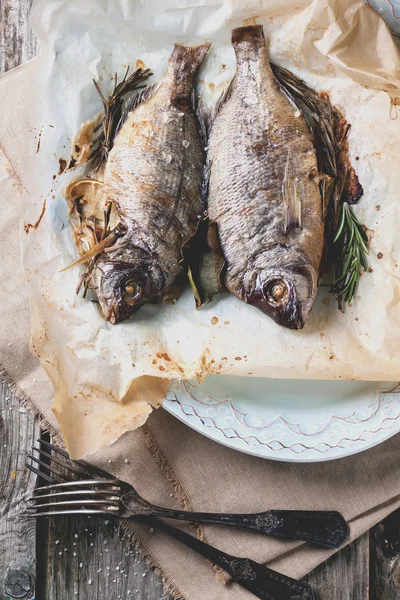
(153, 176)
(263, 190)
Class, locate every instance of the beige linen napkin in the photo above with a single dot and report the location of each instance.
(167, 462)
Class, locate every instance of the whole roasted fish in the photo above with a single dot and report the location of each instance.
(263, 190)
(153, 177)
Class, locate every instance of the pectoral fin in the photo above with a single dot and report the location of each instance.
(206, 264)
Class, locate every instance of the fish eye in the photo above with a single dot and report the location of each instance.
(276, 291)
(132, 291)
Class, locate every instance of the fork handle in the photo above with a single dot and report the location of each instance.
(325, 528)
(254, 577)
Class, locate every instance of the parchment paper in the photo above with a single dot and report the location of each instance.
(104, 375)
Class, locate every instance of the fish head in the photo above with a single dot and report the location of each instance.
(122, 287)
(285, 294)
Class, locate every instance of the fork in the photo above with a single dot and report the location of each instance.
(324, 528)
(261, 581)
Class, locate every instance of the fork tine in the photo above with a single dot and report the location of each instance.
(81, 463)
(53, 447)
(102, 482)
(66, 512)
(108, 504)
(37, 472)
(62, 463)
(98, 493)
(48, 467)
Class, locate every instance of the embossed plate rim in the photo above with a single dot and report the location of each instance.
(361, 415)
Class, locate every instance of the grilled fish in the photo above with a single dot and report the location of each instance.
(153, 176)
(263, 190)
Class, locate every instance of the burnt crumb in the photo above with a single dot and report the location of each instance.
(370, 270)
(223, 66)
(238, 358)
(39, 141)
(378, 207)
(63, 165)
(163, 355)
(72, 163)
(379, 255)
(54, 177)
(77, 148)
(357, 158)
(214, 320)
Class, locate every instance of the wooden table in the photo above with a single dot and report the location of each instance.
(85, 559)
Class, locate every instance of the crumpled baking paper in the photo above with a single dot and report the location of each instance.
(107, 377)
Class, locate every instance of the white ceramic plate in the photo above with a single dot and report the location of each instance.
(289, 420)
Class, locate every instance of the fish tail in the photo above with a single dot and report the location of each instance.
(252, 34)
(189, 58)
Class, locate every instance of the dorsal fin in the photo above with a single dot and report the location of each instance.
(133, 102)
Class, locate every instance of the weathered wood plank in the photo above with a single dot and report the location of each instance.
(385, 559)
(345, 576)
(18, 429)
(17, 41)
(86, 559)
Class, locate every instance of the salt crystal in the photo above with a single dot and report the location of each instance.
(89, 581)
(126, 461)
(117, 568)
(60, 554)
(171, 495)
(99, 570)
(74, 554)
(151, 530)
(110, 461)
(185, 144)
(22, 410)
(57, 542)
(76, 535)
(91, 543)
(81, 565)
(143, 574)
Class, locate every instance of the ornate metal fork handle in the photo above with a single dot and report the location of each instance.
(325, 528)
(256, 578)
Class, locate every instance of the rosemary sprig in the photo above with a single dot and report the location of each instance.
(351, 240)
(113, 106)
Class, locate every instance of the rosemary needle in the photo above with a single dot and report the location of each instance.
(352, 241)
